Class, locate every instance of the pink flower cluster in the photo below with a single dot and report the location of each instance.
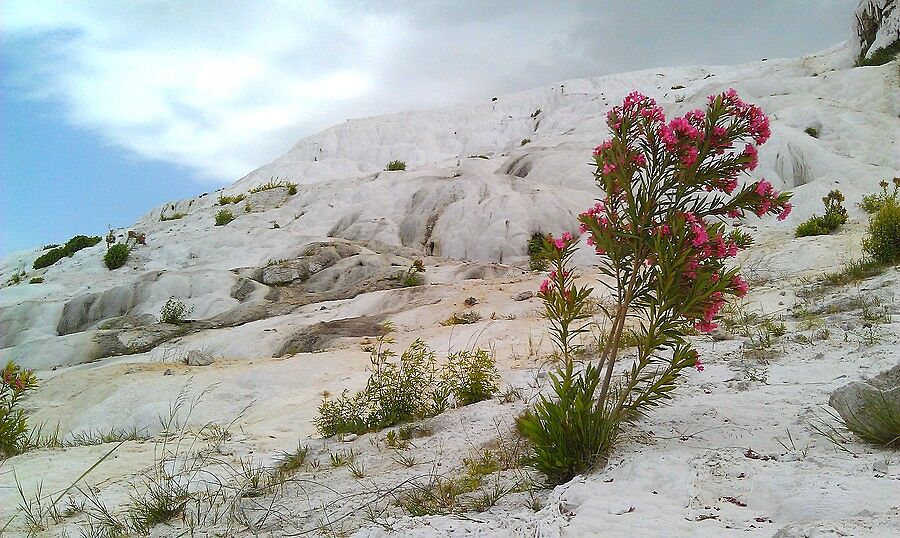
(758, 127)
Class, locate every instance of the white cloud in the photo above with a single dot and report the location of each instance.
(223, 87)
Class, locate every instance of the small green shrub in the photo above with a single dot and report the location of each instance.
(223, 217)
(471, 377)
(116, 256)
(14, 383)
(871, 203)
(525, 141)
(396, 392)
(172, 312)
(812, 131)
(813, 226)
(880, 56)
(292, 189)
(69, 249)
(535, 253)
(883, 239)
(248, 208)
(835, 215)
(406, 390)
(225, 200)
(394, 166)
(173, 216)
(36, 280)
(48, 247)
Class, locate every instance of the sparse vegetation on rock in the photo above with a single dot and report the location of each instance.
(223, 217)
(172, 312)
(395, 166)
(233, 199)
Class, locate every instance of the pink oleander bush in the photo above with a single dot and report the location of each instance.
(14, 383)
(662, 238)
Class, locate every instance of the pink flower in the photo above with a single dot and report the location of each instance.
(785, 211)
(690, 156)
(567, 236)
(608, 168)
(750, 151)
(740, 285)
(700, 235)
(639, 159)
(698, 365)
(545, 287)
(602, 147)
(763, 188)
(559, 244)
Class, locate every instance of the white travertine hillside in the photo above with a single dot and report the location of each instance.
(284, 297)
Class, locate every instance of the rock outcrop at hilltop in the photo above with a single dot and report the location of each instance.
(876, 26)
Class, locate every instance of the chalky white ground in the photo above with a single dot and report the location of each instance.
(676, 473)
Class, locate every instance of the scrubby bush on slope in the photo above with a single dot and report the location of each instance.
(116, 256)
(395, 166)
(69, 249)
(871, 203)
(883, 239)
(662, 240)
(223, 217)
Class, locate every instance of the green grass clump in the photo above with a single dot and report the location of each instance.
(395, 166)
(36, 280)
(223, 217)
(173, 216)
(116, 256)
(812, 131)
(569, 431)
(835, 215)
(855, 271)
(69, 249)
(883, 239)
(880, 56)
(276, 183)
(525, 141)
(225, 200)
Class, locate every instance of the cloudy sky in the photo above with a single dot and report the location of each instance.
(110, 108)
